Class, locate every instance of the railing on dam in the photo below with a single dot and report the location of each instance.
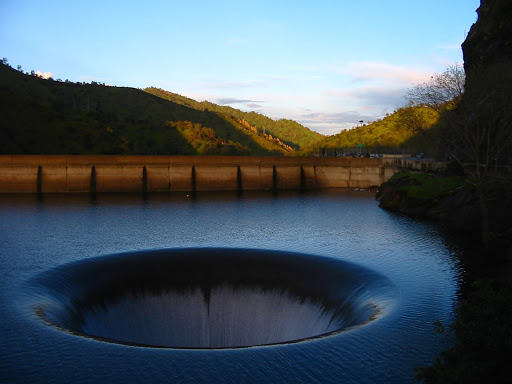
(64, 174)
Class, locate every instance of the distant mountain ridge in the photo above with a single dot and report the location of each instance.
(42, 116)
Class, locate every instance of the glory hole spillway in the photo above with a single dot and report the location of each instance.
(209, 298)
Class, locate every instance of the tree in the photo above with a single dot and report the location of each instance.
(479, 134)
(441, 93)
(416, 118)
(475, 125)
(442, 90)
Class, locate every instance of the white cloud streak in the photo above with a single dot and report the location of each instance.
(382, 73)
(229, 100)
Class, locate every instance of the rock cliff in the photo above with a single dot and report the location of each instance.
(489, 40)
(485, 112)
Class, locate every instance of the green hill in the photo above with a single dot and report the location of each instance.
(401, 131)
(53, 117)
(290, 132)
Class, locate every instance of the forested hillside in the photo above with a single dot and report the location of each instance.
(289, 131)
(399, 132)
(42, 116)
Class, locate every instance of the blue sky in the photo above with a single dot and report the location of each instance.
(326, 64)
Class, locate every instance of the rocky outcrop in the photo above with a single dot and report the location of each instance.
(489, 40)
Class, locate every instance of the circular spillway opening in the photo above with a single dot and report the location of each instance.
(210, 298)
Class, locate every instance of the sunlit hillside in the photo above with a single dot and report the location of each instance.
(289, 131)
(402, 131)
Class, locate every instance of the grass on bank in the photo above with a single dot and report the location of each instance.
(424, 186)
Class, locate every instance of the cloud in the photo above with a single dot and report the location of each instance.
(371, 97)
(347, 117)
(382, 73)
(355, 91)
(253, 105)
(364, 91)
(44, 75)
(326, 128)
(230, 100)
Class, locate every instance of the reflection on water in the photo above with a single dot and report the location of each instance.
(37, 236)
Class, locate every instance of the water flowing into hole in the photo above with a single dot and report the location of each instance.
(231, 317)
(210, 298)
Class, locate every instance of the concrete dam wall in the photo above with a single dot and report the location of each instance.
(70, 174)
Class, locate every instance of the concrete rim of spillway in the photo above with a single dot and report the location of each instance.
(210, 298)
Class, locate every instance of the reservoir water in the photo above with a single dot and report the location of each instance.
(355, 298)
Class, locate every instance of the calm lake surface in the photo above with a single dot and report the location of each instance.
(37, 235)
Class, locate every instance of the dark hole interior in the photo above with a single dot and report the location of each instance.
(210, 297)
